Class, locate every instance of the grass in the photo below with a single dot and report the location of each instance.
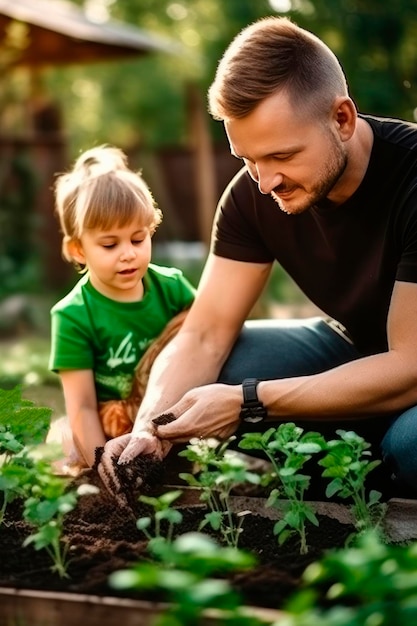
(25, 362)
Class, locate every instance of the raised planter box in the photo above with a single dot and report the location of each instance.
(25, 607)
(36, 608)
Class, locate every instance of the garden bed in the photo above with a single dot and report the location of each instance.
(104, 538)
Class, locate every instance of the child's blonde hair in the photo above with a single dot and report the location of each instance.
(101, 192)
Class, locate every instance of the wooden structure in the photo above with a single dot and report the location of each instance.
(35, 34)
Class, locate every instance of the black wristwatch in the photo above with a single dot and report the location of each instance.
(252, 408)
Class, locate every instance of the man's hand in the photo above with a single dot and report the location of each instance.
(106, 466)
(208, 411)
(117, 468)
(142, 443)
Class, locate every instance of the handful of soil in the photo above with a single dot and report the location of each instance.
(129, 480)
(165, 418)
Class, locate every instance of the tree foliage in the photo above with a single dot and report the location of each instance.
(143, 102)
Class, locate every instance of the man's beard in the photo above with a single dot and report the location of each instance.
(330, 174)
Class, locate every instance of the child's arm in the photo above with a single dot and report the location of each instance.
(81, 406)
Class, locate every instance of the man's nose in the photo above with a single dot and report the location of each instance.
(267, 178)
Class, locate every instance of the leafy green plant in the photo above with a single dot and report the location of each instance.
(348, 463)
(27, 422)
(26, 473)
(46, 506)
(369, 584)
(288, 448)
(22, 426)
(220, 470)
(12, 471)
(184, 574)
(163, 512)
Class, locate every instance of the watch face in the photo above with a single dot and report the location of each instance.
(252, 409)
(253, 414)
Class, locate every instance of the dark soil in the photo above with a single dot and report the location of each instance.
(103, 538)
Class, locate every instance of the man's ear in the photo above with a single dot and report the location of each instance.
(345, 117)
(74, 251)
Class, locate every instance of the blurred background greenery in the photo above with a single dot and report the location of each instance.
(144, 101)
(145, 106)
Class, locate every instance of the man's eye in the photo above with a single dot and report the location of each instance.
(283, 157)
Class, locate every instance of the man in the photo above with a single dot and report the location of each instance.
(332, 195)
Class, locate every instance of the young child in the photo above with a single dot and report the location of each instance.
(102, 328)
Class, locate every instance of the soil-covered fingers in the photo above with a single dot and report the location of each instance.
(143, 443)
(114, 447)
(106, 464)
(127, 481)
(106, 467)
(127, 464)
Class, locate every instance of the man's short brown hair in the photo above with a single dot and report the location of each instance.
(270, 55)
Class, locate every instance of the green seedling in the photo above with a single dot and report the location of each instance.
(22, 426)
(288, 448)
(184, 573)
(219, 471)
(28, 422)
(14, 468)
(26, 473)
(45, 509)
(371, 583)
(348, 463)
(165, 517)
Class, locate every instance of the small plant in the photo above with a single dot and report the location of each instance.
(28, 423)
(163, 512)
(22, 426)
(347, 463)
(45, 508)
(13, 470)
(26, 473)
(288, 448)
(220, 470)
(369, 584)
(184, 574)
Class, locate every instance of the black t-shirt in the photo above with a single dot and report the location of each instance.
(344, 259)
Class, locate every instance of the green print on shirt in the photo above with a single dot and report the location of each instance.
(125, 353)
(120, 385)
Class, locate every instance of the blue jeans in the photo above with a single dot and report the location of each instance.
(272, 349)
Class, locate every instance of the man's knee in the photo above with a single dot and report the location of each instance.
(399, 448)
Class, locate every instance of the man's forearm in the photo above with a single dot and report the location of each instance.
(382, 383)
(182, 365)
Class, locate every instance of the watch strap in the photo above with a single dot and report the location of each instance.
(252, 409)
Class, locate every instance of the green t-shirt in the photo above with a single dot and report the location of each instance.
(91, 331)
